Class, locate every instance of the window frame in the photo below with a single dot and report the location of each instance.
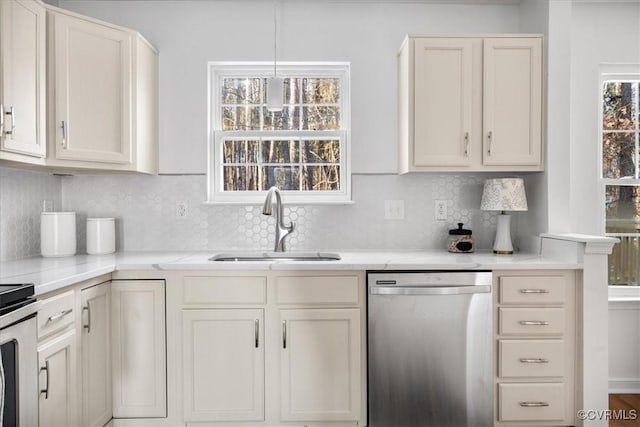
(219, 70)
(618, 73)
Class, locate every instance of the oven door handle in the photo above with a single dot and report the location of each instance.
(45, 368)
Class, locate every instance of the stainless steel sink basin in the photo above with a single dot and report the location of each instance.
(275, 256)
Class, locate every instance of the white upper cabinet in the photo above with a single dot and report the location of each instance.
(512, 102)
(470, 104)
(92, 91)
(22, 82)
(103, 96)
(443, 101)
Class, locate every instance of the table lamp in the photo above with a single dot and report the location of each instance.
(503, 194)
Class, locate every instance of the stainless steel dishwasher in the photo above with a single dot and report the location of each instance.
(430, 349)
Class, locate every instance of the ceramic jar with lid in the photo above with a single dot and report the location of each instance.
(460, 240)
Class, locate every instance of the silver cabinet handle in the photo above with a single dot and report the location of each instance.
(533, 323)
(1, 120)
(11, 113)
(533, 404)
(534, 291)
(466, 144)
(490, 140)
(45, 368)
(534, 360)
(88, 325)
(59, 316)
(284, 334)
(256, 324)
(64, 135)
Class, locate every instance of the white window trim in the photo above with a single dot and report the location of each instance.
(219, 70)
(612, 72)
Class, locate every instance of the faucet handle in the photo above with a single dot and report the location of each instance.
(291, 226)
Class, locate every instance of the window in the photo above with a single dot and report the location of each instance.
(303, 150)
(620, 147)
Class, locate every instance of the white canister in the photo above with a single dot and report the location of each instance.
(57, 234)
(101, 236)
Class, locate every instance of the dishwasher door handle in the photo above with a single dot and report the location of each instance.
(429, 290)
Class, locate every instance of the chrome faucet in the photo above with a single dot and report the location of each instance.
(282, 231)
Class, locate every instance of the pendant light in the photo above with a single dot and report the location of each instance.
(275, 84)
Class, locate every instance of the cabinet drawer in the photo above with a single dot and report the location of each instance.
(225, 290)
(531, 321)
(531, 358)
(532, 290)
(317, 290)
(531, 402)
(56, 313)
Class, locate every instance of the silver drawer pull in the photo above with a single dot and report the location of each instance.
(534, 360)
(59, 316)
(533, 404)
(533, 323)
(534, 291)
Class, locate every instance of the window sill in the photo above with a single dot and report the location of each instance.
(624, 293)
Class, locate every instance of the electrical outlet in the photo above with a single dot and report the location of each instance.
(182, 210)
(441, 210)
(394, 209)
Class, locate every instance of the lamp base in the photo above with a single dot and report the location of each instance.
(502, 244)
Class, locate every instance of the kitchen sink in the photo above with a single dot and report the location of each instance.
(275, 256)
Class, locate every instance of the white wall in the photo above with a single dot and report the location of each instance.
(624, 347)
(368, 34)
(603, 32)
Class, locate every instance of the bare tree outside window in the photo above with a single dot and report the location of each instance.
(299, 149)
(621, 176)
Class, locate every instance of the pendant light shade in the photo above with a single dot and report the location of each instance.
(275, 84)
(275, 90)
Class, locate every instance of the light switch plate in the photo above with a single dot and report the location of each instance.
(394, 209)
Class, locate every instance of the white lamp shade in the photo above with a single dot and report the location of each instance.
(275, 93)
(504, 194)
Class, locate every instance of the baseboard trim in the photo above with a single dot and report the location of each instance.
(624, 385)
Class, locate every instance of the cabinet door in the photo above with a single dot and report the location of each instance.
(138, 348)
(443, 103)
(58, 381)
(512, 111)
(22, 85)
(96, 355)
(320, 365)
(92, 91)
(223, 365)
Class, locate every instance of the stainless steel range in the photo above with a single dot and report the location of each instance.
(430, 352)
(18, 356)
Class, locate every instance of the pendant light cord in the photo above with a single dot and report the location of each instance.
(275, 38)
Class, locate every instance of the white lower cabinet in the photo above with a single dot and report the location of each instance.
(535, 332)
(138, 349)
(96, 355)
(272, 349)
(58, 381)
(320, 365)
(223, 365)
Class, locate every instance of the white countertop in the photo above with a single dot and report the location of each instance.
(49, 274)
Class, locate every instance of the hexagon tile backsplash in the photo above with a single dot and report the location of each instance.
(145, 208)
(21, 197)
